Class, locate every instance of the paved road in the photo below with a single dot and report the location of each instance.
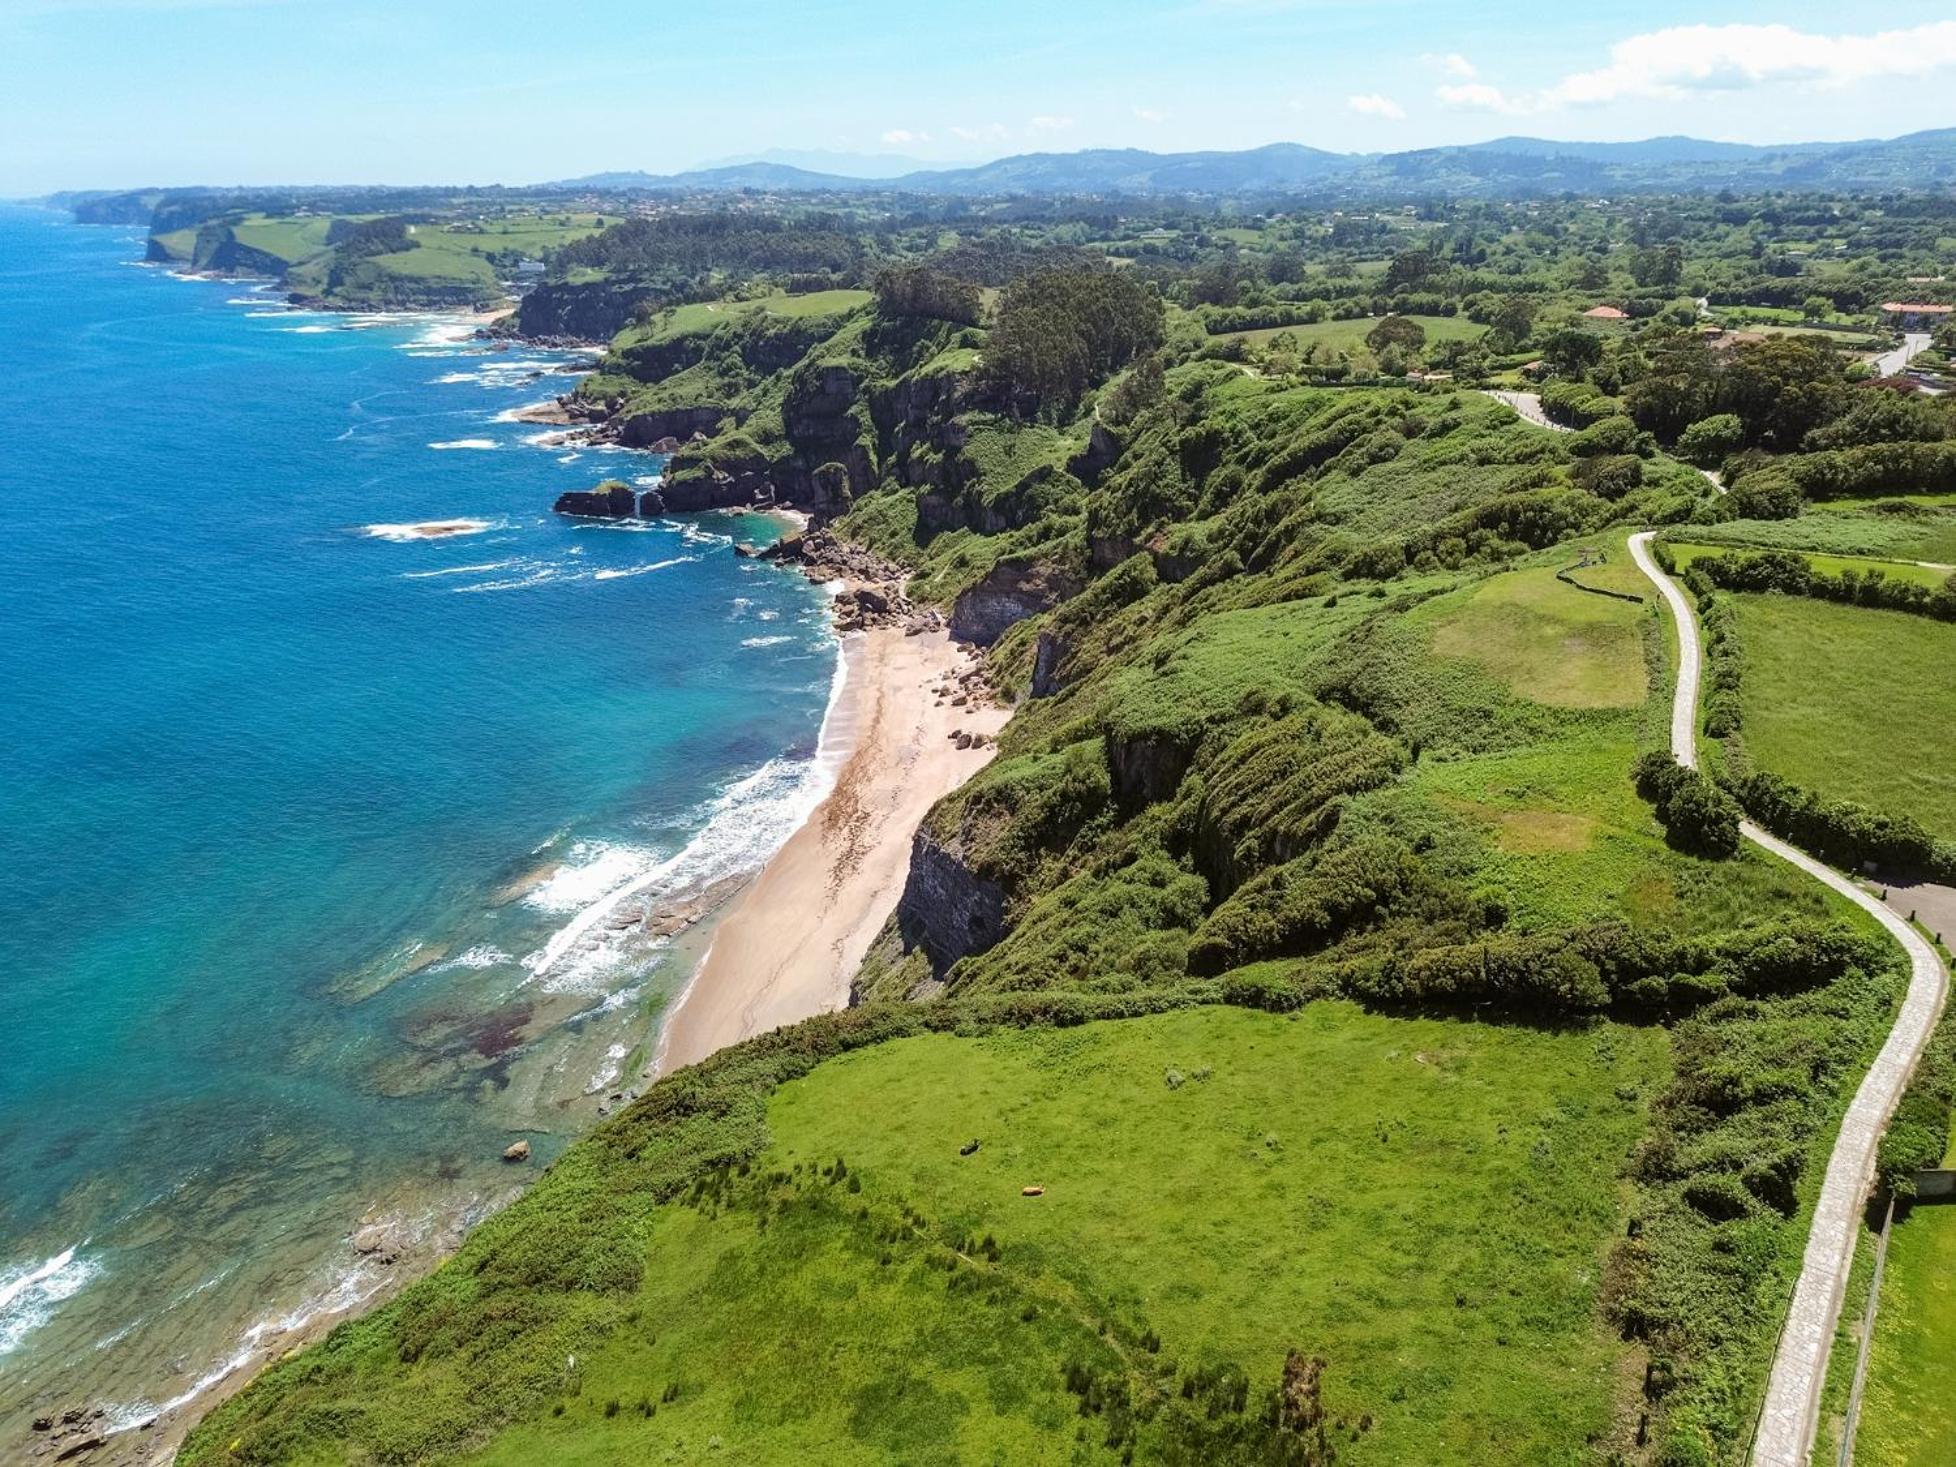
(1791, 1416)
(1892, 364)
(1528, 405)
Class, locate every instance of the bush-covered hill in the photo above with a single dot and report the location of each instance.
(1328, 703)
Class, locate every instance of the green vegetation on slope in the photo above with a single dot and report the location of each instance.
(1853, 702)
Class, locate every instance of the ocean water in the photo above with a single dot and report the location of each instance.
(318, 839)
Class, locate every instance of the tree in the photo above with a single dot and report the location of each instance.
(1514, 318)
(1408, 268)
(918, 291)
(1709, 441)
(1570, 350)
(1659, 268)
(1060, 331)
(1397, 331)
(1816, 308)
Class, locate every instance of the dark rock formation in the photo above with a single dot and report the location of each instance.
(1010, 592)
(1102, 452)
(1145, 768)
(593, 312)
(643, 430)
(75, 1432)
(1048, 654)
(611, 500)
(947, 909)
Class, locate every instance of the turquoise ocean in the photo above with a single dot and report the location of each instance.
(318, 839)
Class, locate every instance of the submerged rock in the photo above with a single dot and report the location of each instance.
(519, 1151)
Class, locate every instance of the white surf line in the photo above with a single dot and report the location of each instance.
(1790, 1418)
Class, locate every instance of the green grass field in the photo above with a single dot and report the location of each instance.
(1908, 1415)
(1923, 530)
(1564, 836)
(1424, 1203)
(1896, 570)
(291, 240)
(1550, 642)
(1349, 336)
(706, 315)
(1854, 703)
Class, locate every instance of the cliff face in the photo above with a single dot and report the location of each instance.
(594, 312)
(643, 430)
(1010, 592)
(946, 909)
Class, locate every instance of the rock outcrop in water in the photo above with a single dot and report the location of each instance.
(611, 500)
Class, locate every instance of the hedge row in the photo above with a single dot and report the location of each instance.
(1789, 573)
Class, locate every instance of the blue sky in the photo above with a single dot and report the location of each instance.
(105, 93)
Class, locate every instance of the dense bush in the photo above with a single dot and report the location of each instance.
(1305, 904)
(1791, 574)
(1709, 441)
(1697, 815)
(1578, 404)
(1843, 832)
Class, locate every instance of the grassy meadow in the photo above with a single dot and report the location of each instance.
(1349, 336)
(1856, 703)
(1908, 1414)
(1559, 830)
(1896, 570)
(1424, 1203)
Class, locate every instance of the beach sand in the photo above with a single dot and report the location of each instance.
(788, 947)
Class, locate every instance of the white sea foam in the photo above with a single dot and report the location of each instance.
(614, 1061)
(766, 641)
(308, 330)
(30, 1292)
(482, 955)
(569, 458)
(740, 829)
(347, 1292)
(536, 575)
(694, 535)
(639, 570)
(466, 443)
(429, 529)
(457, 570)
(451, 377)
(769, 615)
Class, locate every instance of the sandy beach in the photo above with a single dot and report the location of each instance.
(788, 947)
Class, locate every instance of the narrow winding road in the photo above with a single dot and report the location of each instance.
(1791, 1417)
(1528, 405)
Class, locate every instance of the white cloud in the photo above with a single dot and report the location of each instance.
(1678, 61)
(1375, 104)
(1150, 114)
(1048, 124)
(1480, 97)
(1453, 64)
(905, 135)
(990, 132)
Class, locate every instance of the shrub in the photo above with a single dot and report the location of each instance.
(1577, 404)
(1697, 815)
(1610, 476)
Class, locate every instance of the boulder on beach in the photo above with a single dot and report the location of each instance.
(519, 1151)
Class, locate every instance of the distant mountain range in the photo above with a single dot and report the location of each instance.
(1505, 166)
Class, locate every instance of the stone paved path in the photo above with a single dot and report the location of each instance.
(1791, 1417)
